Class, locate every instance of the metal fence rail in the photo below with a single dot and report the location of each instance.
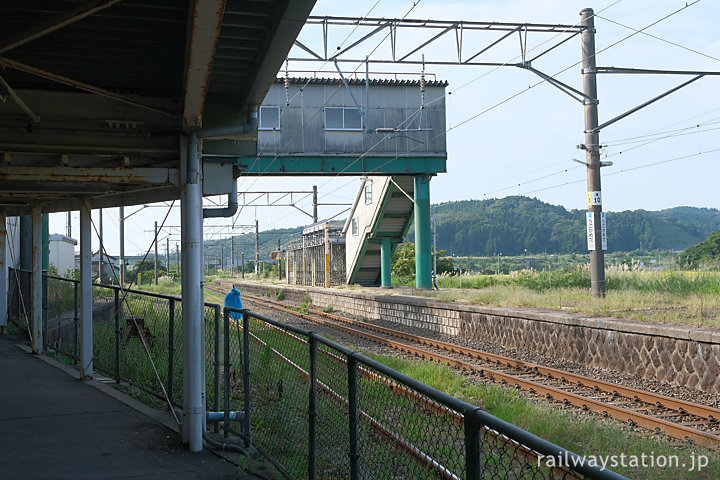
(323, 411)
(316, 408)
(127, 324)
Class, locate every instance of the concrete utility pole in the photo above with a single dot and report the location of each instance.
(242, 269)
(232, 255)
(595, 217)
(122, 246)
(167, 256)
(69, 224)
(222, 257)
(156, 255)
(257, 246)
(177, 258)
(279, 261)
(315, 204)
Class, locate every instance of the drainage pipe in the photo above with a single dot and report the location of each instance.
(224, 446)
(213, 417)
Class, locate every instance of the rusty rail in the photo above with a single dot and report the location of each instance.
(647, 401)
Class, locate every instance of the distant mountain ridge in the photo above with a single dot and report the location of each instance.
(511, 225)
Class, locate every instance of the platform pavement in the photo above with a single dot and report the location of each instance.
(54, 426)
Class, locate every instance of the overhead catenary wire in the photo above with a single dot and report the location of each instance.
(604, 49)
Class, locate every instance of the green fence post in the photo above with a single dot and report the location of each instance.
(246, 377)
(473, 470)
(312, 406)
(353, 414)
(226, 382)
(171, 350)
(117, 336)
(216, 389)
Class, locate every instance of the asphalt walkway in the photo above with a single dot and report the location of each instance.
(54, 426)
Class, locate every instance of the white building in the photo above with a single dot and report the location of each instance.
(62, 253)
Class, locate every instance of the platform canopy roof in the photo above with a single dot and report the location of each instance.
(96, 97)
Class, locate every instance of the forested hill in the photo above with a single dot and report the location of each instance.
(512, 224)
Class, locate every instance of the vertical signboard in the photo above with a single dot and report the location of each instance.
(590, 231)
(603, 228)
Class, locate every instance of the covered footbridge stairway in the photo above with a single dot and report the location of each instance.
(380, 218)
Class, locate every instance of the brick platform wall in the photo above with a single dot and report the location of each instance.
(677, 354)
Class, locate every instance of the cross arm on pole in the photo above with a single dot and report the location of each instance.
(563, 87)
(645, 104)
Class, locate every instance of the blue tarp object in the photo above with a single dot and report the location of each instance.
(232, 299)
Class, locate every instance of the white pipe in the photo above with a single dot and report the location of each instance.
(86, 335)
(36, 280)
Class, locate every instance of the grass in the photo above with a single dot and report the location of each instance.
(584, 435)
(691, 298)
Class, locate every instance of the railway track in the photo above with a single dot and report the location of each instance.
(423, 459)
(676, 418)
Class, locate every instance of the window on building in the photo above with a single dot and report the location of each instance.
(269, 118)
(368, 193)
(355, 226)
(342, 118)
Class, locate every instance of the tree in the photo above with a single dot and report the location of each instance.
(403, 262)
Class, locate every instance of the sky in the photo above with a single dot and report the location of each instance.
(509, 133)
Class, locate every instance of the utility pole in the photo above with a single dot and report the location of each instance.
(595, 217)
(435, 254)
(257, 246)
(69, 224)
(242, 269)
(167, 256)
(315, 204)
(100, 252)
(122, 246)
(177, 259)
(156, 255)
(279, 261)
(222, 257)
(232, 255)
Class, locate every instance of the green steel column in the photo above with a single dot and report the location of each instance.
(385, 266)
(423, 256)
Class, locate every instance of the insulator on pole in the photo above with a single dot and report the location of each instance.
(287, 83)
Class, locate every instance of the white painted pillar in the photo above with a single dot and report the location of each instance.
(36, 281)
(86, 336)
(192, 300)
(3, 272)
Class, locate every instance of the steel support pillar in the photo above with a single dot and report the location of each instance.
(36, 281)
(3, 272)
(45, 271)
(192, 299)
(385, 263)
(595, 218)
(26, 243)
(86, 313)
(423, 255)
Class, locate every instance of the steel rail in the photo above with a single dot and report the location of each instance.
(428, 405)
(675, 430)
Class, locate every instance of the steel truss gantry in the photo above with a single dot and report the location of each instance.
(415, 55)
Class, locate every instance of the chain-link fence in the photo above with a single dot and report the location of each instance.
(322, 411)
(318, 409)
